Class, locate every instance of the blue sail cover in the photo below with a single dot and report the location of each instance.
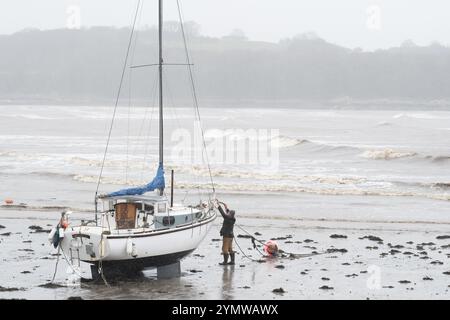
(157, 183)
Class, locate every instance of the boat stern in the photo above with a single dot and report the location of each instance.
(84, 243)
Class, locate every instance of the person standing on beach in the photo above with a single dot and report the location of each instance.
(227, 233)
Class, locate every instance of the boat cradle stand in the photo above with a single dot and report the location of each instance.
(169, 271)
(172, 270)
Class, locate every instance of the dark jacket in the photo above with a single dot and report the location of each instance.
(228, 223)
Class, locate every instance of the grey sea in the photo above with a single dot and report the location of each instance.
(368, 189)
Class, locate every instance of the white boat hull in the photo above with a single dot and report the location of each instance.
(140, 249)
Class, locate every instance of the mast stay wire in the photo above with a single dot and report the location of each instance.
(177, 119)
(193, 91)
(146, 138)
(152, 100)
(117, 98)
(172, 103)
(130, 81)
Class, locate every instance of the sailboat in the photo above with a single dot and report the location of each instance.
(140, 227)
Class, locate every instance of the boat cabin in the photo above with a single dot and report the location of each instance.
(133, 212)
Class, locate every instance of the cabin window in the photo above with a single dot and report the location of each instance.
(162, 207)
(168, 221)
(148, 207)
(125, 215)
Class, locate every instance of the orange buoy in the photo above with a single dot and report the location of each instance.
(271, 248)
(9, 201)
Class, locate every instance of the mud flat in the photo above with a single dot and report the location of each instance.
(322, 260)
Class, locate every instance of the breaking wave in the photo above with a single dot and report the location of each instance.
(439, 159)
(329, 180)
(387, 154)
(290, 144)
(24, 206)
(420, 116)
(383, 124)
(259, 182)
(441, 185)
(318, 191)
(286, 142)
(8, 153)
(352, 190)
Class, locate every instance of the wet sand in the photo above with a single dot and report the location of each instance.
(356, 260)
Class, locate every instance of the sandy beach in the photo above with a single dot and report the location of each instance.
(355, 261)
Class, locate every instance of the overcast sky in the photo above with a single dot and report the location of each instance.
(369, 24)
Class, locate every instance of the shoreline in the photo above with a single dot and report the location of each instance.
(305, 220)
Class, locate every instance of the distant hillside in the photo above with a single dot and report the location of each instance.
(84, 66)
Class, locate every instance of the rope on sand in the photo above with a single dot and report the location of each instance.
(240, 249)
(289, 254)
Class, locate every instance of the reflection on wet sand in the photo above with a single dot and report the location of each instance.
(227, 282)
(145, 286)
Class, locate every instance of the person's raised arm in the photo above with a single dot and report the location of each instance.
(222, 212)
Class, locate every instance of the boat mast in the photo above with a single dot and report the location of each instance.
(161, 61)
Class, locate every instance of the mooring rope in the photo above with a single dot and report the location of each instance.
(56, 266)
(242, 251)
(299, 255)
(71, 266)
